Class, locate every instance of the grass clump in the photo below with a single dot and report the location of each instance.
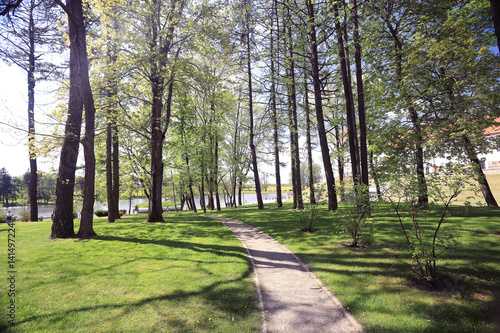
(188, 275)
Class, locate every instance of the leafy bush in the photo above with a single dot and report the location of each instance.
(426, 235)
(306, 217)
(101, 213)
(24, 216)
(355, 219)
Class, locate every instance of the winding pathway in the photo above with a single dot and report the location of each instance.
(292, 298)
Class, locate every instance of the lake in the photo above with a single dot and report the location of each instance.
(45, 211)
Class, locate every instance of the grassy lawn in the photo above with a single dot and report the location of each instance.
(187, 275)
(375, 282)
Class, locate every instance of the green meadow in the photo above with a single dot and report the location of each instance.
(187, 275)
(191, 274)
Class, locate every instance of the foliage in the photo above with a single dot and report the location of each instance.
(355, 217)
(24, 216)
(101, 213)
(306, 217)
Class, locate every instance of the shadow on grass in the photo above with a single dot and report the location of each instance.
(221, 250)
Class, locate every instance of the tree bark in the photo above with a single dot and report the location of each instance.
(253, 151)
(277, 171)
(351, 117)
(361, 98)
(480, 176)
(112, 177)
(160, 46)
(495, 13)
(294, 130)
(62, 221)
(318, 103)
(312, 197)
(33, 192)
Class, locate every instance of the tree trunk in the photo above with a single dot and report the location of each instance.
(86, 229)
(361, 98)
(423, 196)
(480, 176)
(258, 191)
(351, 117)
(312, 197)
(240, 187)
(277, 171)
(495, 13)
(216, 175)
(318, 102)
(110, 150)
(62, 221)
(160, 46)
(294, 129)
(33, 192)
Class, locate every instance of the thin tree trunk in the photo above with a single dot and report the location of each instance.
(318, 103)
(111, 121)
(240, 187)
(361, 98)
(33, 192)
(423, 196)
(294, 130)
(312, 197)
(277, 171)
(216, 175)
(351, 117)
(258, 191)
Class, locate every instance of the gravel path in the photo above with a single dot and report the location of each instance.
(292, 298)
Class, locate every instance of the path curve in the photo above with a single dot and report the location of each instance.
(292, 299)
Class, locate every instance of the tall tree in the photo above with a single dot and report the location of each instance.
(292, 113)
(27, 35)
(274, 38)
(80, 96)
(318, 104)
(253, 150)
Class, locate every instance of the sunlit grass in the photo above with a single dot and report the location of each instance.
(187, 275)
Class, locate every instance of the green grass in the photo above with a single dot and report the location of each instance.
(192, 275)
(375, 283)
(187, 275)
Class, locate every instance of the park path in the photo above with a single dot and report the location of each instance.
(292, 298)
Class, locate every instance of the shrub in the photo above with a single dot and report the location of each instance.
(426, 235)
(306, 217)
(355, 218)
(24, 216)
(101, 213)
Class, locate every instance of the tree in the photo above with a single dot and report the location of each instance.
(6, 186)
(80, 96)
(318, 104)
(253, 151)
(495, 14)
(27, 36)
(456, 74)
